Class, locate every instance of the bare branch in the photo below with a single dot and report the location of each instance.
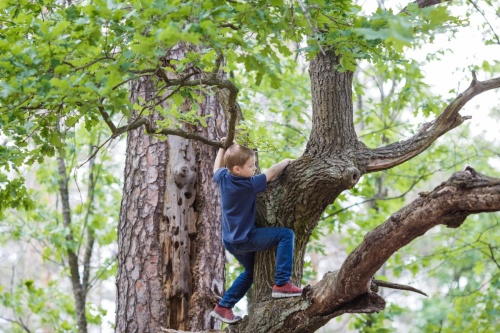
(400, 152)
(187, 135)
(229, 25)
(89, 64)
(385, 284)
(306, 14)
(487, 22)
(20, 323)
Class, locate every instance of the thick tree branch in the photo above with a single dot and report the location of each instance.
(351, 289)
(397, 153)
(466, 192)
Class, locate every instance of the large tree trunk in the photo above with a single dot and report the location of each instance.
(297, 199)
(171, 260)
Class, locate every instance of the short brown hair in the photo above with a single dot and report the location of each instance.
(237, 155)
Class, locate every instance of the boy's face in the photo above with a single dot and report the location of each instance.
(247, 170)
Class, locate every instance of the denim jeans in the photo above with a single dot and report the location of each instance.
(259, 239)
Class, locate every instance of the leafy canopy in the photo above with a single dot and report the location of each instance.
(64, 64)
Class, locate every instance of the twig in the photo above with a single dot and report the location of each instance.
(89, 64)
(391, 285)
(16, 322)
(306, 14)
(488, 22)
(107, 119)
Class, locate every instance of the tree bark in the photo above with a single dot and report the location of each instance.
(332, 122)
(171, 263)
(141, 301)
(299, 196)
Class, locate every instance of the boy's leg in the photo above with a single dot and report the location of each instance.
(266, 238)
(243, 282)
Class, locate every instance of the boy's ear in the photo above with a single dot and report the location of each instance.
(236, 169)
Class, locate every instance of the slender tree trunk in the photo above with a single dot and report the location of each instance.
(78, 291)
(171, 262)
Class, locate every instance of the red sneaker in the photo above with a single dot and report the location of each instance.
(225, 314)
(287, 290)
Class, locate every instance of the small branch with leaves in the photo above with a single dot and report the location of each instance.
(188, 80)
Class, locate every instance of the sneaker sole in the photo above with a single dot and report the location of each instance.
(228, 321)
(284, 295)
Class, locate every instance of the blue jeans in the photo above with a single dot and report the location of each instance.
(259, 239)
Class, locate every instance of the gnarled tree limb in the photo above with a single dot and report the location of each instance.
(348, 290)
(466, 192)
(399, 152)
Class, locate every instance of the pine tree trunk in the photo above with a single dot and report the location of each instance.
(171, 260)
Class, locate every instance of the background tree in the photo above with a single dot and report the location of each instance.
(75, 64)
(64, 247)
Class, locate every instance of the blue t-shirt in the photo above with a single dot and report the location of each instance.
(239, 198)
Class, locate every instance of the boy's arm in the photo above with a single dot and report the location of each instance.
(277, 169)
(219, 160)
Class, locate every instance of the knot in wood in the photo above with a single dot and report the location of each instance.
(455, 219)
(183, 176)
(395, 217)
(351, 177)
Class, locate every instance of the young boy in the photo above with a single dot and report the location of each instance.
(239, 187)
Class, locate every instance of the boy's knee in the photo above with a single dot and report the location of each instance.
(288, 233)
(248, 276)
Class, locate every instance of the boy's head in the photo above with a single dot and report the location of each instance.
(240, 160)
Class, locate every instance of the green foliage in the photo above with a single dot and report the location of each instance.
(48, 303)
(61, 64)
(277, 122)
(465, 264)
(94, 201)
(395, 32)
(376, 322)
(14, 194)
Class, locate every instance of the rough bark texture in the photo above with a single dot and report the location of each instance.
(298, 197)
(208, 251)
(171, 264)
(332, 122)
(141, 300)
